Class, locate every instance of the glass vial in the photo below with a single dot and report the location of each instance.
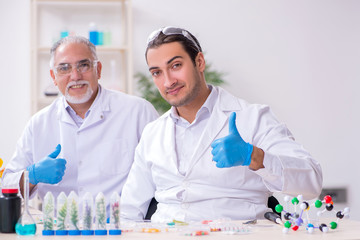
(87, 217)
(115, 214)
(100, 220)
(48, 214)
(61, 213)
(73, 216)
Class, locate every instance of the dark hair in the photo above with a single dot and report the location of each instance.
(188, 45)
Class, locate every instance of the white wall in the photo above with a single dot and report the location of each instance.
(300, 57)
(15, 71)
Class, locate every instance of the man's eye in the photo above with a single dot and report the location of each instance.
(177, 65)
(64, 68)
(84, 65)
(156, 73)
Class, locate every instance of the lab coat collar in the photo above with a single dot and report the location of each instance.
(97, 110)
(224, 105)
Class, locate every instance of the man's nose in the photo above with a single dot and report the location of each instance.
(169, 80)
(75, 74)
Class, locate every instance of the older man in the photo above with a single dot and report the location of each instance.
(85, 140)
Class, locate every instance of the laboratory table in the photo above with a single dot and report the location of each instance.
(263, 229)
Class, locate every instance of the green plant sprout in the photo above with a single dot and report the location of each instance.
(87, 220)
(48, 213)
(62, 217)
(74, 214)
(100, 214)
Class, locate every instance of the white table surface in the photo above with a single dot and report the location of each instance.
(263, 229)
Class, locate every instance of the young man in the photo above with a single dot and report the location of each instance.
(94, 131)
(212, 155)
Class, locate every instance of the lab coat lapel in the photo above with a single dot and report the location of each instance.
(62, 114)
(215, 124)
(169, 141)
(97, 111)
(225, 104)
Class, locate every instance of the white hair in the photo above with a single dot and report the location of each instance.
(71, 39)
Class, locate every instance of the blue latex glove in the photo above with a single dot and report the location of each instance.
(49, 170)
(232, 150)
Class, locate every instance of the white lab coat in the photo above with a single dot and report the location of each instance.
(99, 154)
(208, 192)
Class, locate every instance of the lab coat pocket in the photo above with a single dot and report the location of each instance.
(116, 158)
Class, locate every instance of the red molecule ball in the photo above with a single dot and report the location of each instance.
(328, 199)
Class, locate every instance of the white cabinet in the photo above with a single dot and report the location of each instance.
(51, 18)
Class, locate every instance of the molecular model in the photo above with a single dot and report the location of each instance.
(295, 220)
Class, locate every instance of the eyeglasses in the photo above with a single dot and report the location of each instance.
(82, 66)
(172, 31)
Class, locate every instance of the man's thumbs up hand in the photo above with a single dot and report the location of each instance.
(232, 150)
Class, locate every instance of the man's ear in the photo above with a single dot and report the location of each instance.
(98, 69)
(200, 62)
(52, 74)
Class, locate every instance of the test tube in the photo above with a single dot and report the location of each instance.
(61, 213)
(88, 205)
(115, 214)
(48, 214)
(73, 209)
(100, 220)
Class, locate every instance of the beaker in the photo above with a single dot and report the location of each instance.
(26, 224)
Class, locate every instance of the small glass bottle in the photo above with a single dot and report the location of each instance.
(88, 206)
(48, 214)
(107, 37)
(61, 213)
(115, 214)
(10, 209)
(93, 33)
(73, 210)
(100, 220)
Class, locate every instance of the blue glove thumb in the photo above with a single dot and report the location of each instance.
(49, 170)
(232, 125)
(56, 153)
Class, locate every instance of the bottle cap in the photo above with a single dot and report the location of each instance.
(48, 232)
(9, 190)
(87, 232)
(61, 232)
(74, 232)
(100, 232)
(114, 232)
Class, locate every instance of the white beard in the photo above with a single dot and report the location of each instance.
(78, 99)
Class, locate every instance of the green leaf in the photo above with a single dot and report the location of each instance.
(61, 217)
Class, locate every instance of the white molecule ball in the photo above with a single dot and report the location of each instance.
(300, 197)
(310, 230)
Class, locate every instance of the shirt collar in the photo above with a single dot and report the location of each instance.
(72, 112)
(206, 108)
